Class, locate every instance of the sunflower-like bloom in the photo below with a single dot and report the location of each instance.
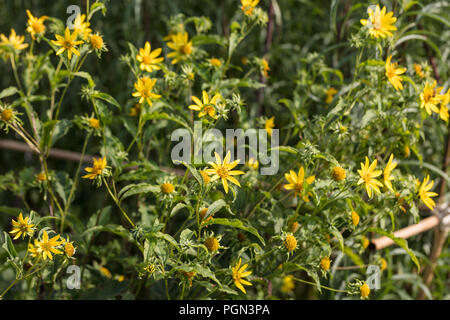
(35, 26)
(296, 180)
(419, 71)
(387, 173)
(97, 169)
(269, 125)
(32, 249)
(368, 175)
(443, 110)
(248, 6)
(149, 59)
(330, 94)
(425, 194)
(48, 246)
(224, 170)
(364, 290)
(180, 45)
(144, 87)
(239, 273)
(81, 27)
(206, 106)
(14, 40)
(22, 227)
(379, 23)
(393, 74)
(429, 99)
(97, 42)
(67, 43)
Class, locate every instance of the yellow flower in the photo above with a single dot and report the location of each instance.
(81, 27)
(365, 290)
(206, 178)
(325, 263)
(14, 40)
(296, 180)
(330, 94)
(149, 59)
(32, 249)
(35, 25)
(379, 23)
(67, 43)
(205, 107)
(22, 227)
(144, 88)
(215, 62)
(212, 244)
(224, 170)
(355, 218)
(180, 45)
(106, 272)
(69, 249)
(248, 6)
(288, 284)
(266, 68)
(387, 173)
(338, 173)
(269, 125)
(94, 123)
(365, 242)
(425, 194)
(167, 188)
(290, 243)
(418, 70)
(238, 274)
(135, 110)
(368, 173)
(294, 226)
(383, 263)
(7, 115)
(189, 275)
(253, 163)
(41, 176)
(407, 151)
(429, 99)
(393, 74)
(443, 110)
(48, 246)
(97, 169)
(96, 41)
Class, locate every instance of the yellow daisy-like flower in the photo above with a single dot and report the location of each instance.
(387, 173)
(22, 227)
(81, 27)
(14, 40)
(94, 123)
(425, 194)
(290, 243)
(380, 23)
(296, 180)
(368, 175)
(215, 62)
(269, 125)
(32, 249)
(67, 43)
(206, 106)
(266, 68)
(338, 173)
(419, 71)
(443, 110)
(248, 6)
(48, 246)
(393, 74)
(7, 115)
(212, 244)
(144, 87)
(181, 47)
(355, 218)
(167, 188)
(288, 284)
(97, 41)
(365, 290)
(429, 98)
(238, 274)
(35, 26)
(97, 169)
(325, 263)
(106, 272)
(253, 163)
(206, 178)
(330, 94)
(224, 170)
(149, 59)
(41, 176)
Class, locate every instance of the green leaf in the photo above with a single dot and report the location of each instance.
(86, 76)
(106, 97)
(166, 116)
(59, 129)
(333, 14)
(177, 208)
(8, 92)
(168, 238)
(399, 241)
(215, 207)
(235, 223)
(338, 236)
(9, 246)
(139, 188)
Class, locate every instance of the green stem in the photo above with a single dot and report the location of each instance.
(323, 287)
(114, 197)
